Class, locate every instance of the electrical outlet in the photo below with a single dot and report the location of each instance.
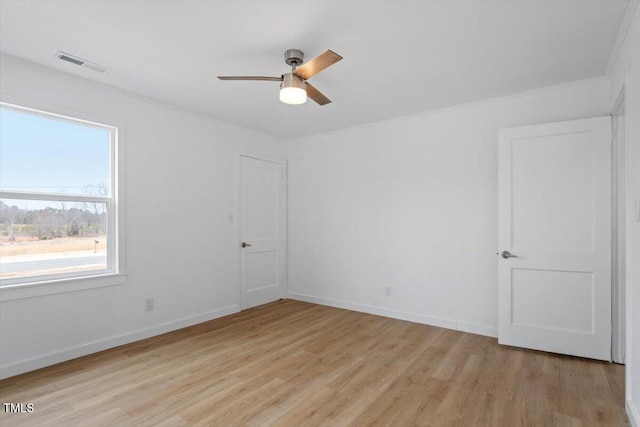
(387, 291)
(148, 304)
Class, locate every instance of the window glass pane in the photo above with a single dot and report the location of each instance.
(49, 237)
(45, 155)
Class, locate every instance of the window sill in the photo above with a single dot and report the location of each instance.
(50, 287)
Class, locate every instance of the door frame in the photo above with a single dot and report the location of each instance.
(618, 223)
(237, 221)
(601, 329)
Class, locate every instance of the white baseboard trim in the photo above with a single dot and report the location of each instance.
(472, 328)
(211, 315)
(401, 315)
(632, 413)
(23, 366)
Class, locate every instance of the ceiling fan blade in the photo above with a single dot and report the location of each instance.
(317, 64)
(270, 79)
(316, 95)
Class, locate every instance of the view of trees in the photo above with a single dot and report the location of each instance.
(69, 219)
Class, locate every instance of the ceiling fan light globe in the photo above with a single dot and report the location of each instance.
(293, 90)
(293, 95)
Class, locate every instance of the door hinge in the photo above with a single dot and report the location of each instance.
(281, 173)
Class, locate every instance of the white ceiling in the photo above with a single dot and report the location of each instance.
(400, 57)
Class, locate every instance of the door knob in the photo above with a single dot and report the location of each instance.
(507, 254)
(244, 244)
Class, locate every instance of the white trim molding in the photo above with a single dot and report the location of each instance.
(50, 287)
(28, 365)
(400, 315)
(239, 154)
(624, 76)
(632, 414)
(461, 107)
(622, 36)
(116, 271)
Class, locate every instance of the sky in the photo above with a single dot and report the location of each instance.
(39, 154)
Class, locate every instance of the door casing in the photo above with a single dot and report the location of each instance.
(557, 259)
(238, 221)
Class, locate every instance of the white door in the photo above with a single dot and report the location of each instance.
(262, 231)
(555, 220)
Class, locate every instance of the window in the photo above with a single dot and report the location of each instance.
(58, 198)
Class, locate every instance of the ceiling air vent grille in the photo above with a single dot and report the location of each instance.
(70, 59)
(81, 62)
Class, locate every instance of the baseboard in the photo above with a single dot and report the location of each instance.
(211, 315)
(21, 367)
(401, 315)
(632, 413)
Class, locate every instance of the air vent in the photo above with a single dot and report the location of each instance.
(70, 59)
(81, 62)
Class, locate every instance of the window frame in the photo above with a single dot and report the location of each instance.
(114, 273)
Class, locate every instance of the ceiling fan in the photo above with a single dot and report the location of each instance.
(294, 87)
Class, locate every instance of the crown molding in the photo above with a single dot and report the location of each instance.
(622, 36)
(461, 107)
(8, 58)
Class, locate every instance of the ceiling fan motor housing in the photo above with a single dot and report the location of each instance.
(293, 57)
(291, 80)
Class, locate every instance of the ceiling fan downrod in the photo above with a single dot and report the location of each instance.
(293, 57)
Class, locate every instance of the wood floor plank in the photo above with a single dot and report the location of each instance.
(294, 363)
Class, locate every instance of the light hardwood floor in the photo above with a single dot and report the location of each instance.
(291, 363)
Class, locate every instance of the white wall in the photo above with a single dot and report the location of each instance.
(180, 248)
(624, 73)
(412, 204)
